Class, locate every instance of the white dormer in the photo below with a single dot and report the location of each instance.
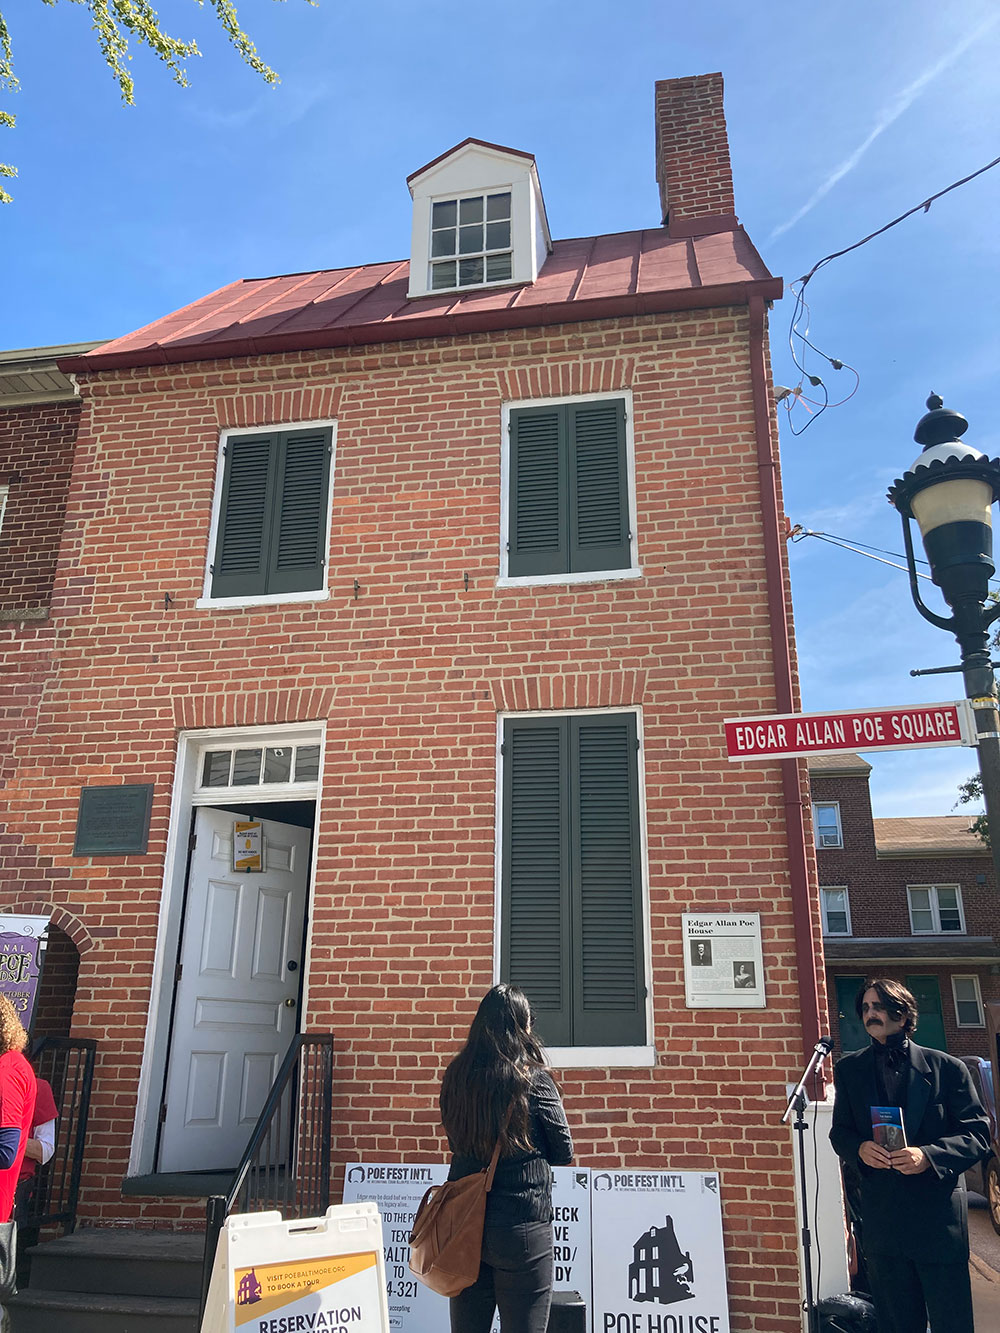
(478, 220)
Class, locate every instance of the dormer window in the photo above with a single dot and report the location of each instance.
(478, 220)
(476, 231)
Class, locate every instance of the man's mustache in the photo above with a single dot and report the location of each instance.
(874, 1022)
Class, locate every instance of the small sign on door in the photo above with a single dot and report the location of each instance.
(248, 844)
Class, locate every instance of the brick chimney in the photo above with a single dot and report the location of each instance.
(692, 156)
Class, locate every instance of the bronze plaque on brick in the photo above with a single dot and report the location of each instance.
(113, 820)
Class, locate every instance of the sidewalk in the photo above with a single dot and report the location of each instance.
(985, 1295)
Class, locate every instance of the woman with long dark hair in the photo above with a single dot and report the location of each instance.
(497, 1089)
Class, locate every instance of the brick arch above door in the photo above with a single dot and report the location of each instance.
(253, 708)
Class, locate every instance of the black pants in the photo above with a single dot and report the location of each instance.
(515, 1277)
(908, 1296)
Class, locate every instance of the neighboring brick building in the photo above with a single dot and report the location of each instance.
(912, 898)
(437, 567)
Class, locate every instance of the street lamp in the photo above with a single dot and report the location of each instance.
(950, 491)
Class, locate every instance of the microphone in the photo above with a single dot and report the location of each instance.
(824, 1046)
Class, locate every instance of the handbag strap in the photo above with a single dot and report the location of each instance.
(491, 1170)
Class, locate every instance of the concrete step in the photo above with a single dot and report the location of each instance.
(39, 1311)
(120, 1262)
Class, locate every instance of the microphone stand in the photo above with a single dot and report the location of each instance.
(797, 1102)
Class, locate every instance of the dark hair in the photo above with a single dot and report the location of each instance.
(491, 1075)
(898, 1001)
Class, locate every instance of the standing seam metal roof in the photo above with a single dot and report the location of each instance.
(592, 277)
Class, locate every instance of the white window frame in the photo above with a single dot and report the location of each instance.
(4, 492)
(634, 568)
(835, 888)
(935, 908)
(206, 600)
(968, 976)
(585, 1057)
(479, 254)
(827, 846)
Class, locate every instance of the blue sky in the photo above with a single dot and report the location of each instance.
(840, 118)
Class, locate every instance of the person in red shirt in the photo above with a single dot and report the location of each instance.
(17, 1103)
(41, 1142)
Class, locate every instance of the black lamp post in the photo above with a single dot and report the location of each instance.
(950, 491)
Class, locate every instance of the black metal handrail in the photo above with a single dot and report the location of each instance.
(67, 1063)
(286, 1165)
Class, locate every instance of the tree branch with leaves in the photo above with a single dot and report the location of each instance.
(116, 23)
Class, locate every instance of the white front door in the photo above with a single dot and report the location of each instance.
(235, 1005)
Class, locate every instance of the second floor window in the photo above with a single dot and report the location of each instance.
(272, 528)
(836, 912)
(935, 909)
(568, 501)
(826, 820)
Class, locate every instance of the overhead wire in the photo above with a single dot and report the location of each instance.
(800, 310)
(797, 533)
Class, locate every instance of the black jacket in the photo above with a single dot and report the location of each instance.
(522, 1186)
(922, 1217)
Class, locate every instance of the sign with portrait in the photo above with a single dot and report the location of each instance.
(21, 962)
(723, 961)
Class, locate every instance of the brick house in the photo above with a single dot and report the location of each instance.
(422, 564)
(913, 898)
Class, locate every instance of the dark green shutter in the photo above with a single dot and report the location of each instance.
(569, 489)
(538, 520)
(241, 551)
(535, 949)
(272, 519)
(299, 544)
(571, 919)
(599, 521)
(608, 991)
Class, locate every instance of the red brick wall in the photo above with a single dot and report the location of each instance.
(36, 457)
(879, 907)
(409, 677)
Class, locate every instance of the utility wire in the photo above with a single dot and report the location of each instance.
(801, 310)
(798, 533)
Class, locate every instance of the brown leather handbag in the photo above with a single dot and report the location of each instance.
(446, 1243)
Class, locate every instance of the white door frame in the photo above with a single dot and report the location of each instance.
(184, 797)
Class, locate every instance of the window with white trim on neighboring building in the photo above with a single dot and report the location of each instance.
(968, 1002)
(836, 911)
(935, 909)
(826, 822)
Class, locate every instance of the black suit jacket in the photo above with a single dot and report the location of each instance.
(923, 1216)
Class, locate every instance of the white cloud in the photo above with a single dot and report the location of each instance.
(899, 104)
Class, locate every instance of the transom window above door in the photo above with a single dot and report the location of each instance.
(295, 766)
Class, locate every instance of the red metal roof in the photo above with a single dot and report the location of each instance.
(596, 277)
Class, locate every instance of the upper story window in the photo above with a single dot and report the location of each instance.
(826, 820)
(471, 241)
(836, 911)
(478, 220)
(568, 507)
(270, 528)
(936, 909)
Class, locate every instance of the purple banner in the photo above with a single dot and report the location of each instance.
(19, 973)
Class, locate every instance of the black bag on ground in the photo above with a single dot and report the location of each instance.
(8, 1259)
(846, 1314)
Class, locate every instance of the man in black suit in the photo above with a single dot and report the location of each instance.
(913, 1205)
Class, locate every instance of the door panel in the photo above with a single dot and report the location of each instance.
(235, 1007)
(930, 1020)
(853, 1036)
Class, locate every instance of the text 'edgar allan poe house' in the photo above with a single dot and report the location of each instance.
(448, 570)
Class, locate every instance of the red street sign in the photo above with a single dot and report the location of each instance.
(788, 735)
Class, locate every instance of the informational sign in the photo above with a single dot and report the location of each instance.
(723, 961)
(788, 735)
(248, 844)
(658, 1258)
(113, 820)
(276, 1276)
(398, 1188)
(21, 962)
